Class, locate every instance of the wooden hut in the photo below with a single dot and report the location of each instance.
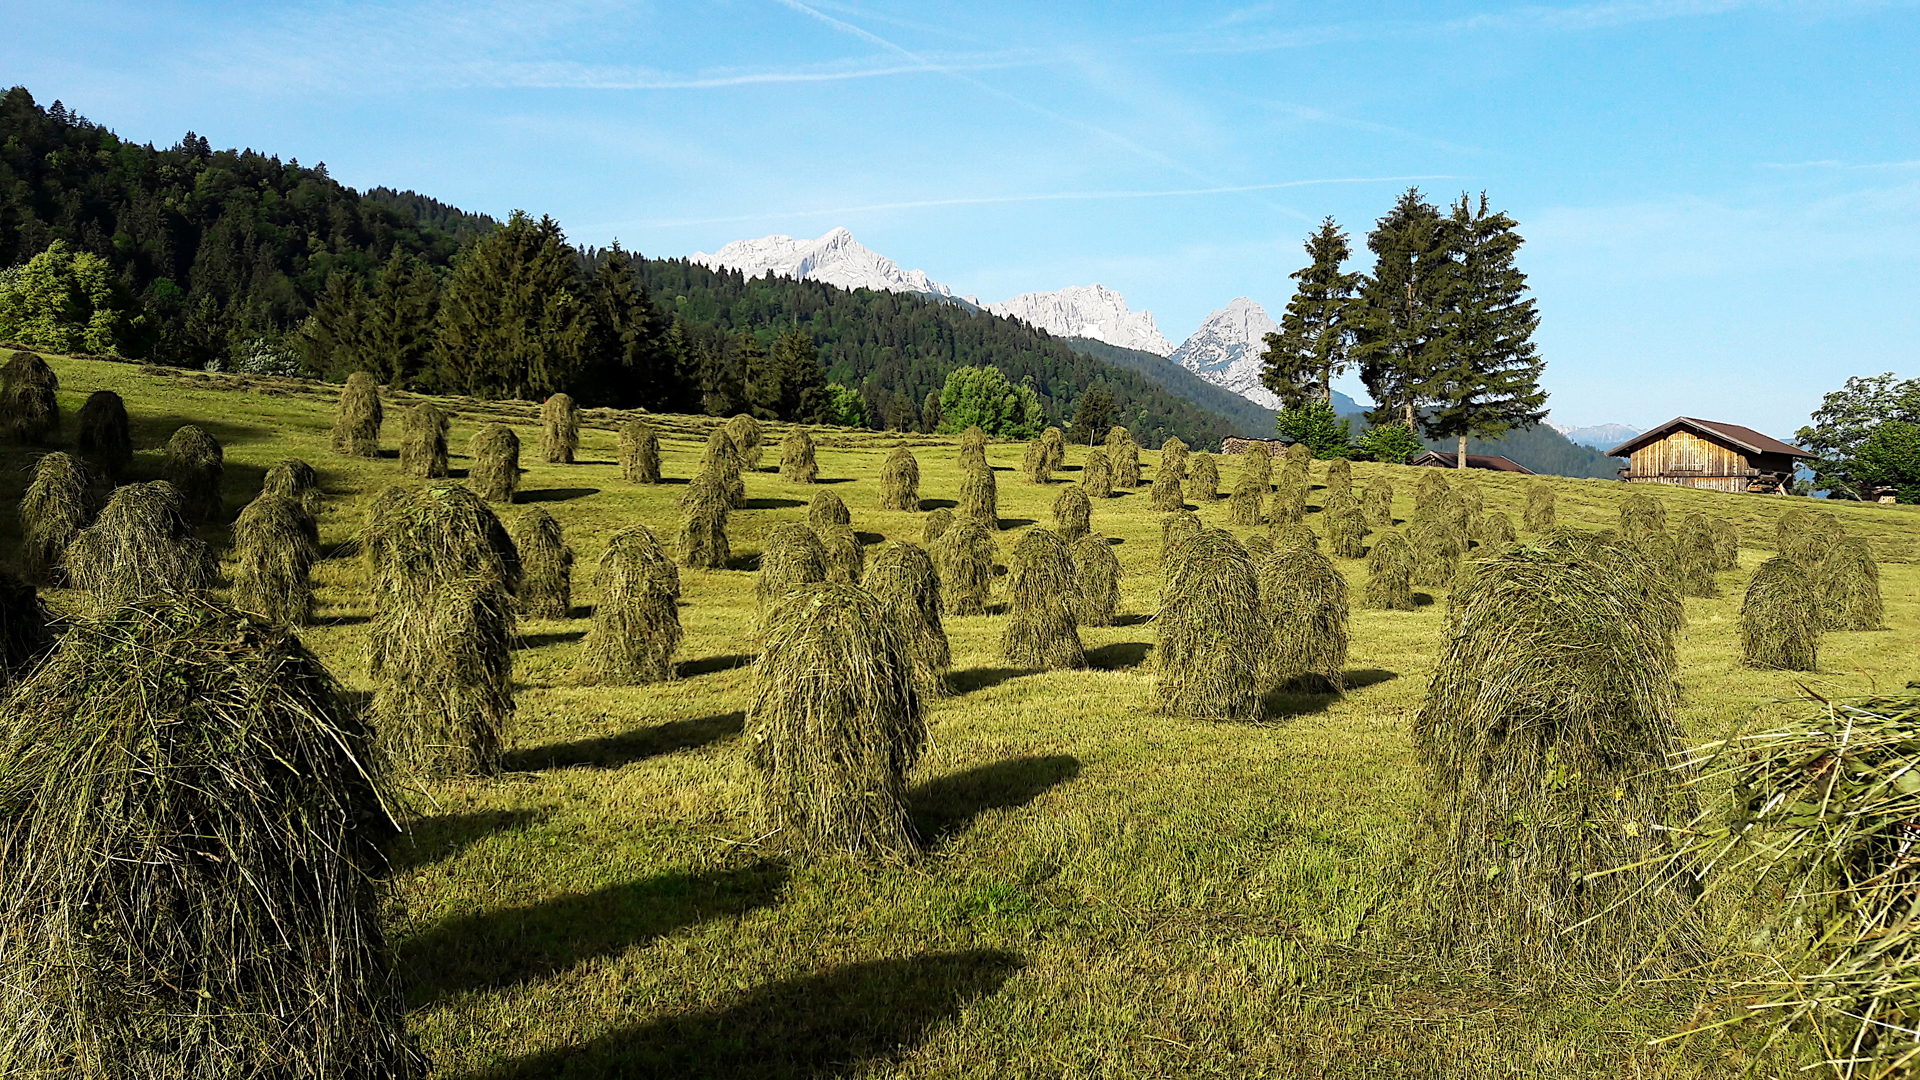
(1709, 454)
(1440, 459)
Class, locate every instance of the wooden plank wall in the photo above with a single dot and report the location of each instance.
(1688, 460)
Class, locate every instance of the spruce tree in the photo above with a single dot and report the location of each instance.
(803, 384)
(1315, 338)
(634, 362)
(512, 322)
(332, 340)
(397, 332)
(1397, 321)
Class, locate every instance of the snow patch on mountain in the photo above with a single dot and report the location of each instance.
(1598, 436)
(1087, 311)
(834, 259)
(1226, 350)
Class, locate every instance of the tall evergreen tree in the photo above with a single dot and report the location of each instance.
(803, 384)
(1397, 317)
(632, 361)
(1483, 376)
(1315, 338)
(332, 340)
(396, 332)
(512, 323)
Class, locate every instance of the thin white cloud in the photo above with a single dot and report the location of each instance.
(1829, 163)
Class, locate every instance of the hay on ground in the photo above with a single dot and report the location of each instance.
(939, 520)
(797, 464)
(357, 418)
(29, 400)
(1726, 544)
(722, 465)
(1806, 535)
(1289, 495)
(1780, 619)
(1176, 529)
(979, 499)
(791, 556)
(195, 872)
(196, 467)
(900, 481)
(1540, 507)
(905, 582)
(1123, 458)
(1072, 513)
(1377, 502)
(559, 430)
(749, 439)
(965, 559)
(1496, 531)
(973, 448)
(1096, 580)
(1259, 546)
(1544, 738)
(1432, 495)
(1203, 478)
(1304, 601)
(1173, 457)
(292, 478)
(1299, 455)
(639, 453)
(1055, 445)
(1167, 494)
(827, 509)
(1390, 574)
(835, 726)
(1347, 532)
(105, 438)
(273, 557)
(1041, 630)
(58, 503)
(1096, 477)
(702, 543)
(1339, 484)
(1212, 637)
(636, 622)
(1641, 516)
(24, 634)
(1437, 549)
(1247, 505)
(423, 442)
(1848, 585)
(1294, 535)
(1694, 559)
(546, 567)
(494, 471)
(1034, 463)
(140, 544)
(846, 557)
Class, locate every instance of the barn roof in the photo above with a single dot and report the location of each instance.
(1474, 461)
(1743, 438)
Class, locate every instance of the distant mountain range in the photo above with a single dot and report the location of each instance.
(834, 259)
(1598, 436)
(1092, 312)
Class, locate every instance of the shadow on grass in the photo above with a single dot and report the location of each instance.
(981, 678)
(344, 620)
(1119, 656)
(535, 641)
(832, 1024)
(1361, 678)
(543, 495)
(501, 948)
(1421, 599)
(868, 539)
(712, 665)
(938, 504)
(1136, 619)
(772, 504)
(613, 751)
(1304, 698)
(1016, 523)
(429, 840)
(947, 805)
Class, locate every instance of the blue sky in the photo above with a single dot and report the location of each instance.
(1721, 199)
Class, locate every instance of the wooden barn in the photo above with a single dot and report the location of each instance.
(1442, 460)
(1708, 454)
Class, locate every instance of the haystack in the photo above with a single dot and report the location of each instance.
(357, 418)
(1347, 532)
(827, 510)
(1339, 494)
(196, 467)
(1726, 544)
(835, 726)
(1211, 634)
(1545, 738)
(1539, 517)
(979, 499)
(1173, 458)
(1496, 531)
(1289, 495)
(1437, 549)
(142, 543)
(965, 558)
(423, 442)
(1072, 513)
(1033, 462)
(846, 557)
(1176, 529)
(702, 543)
(197, 890)
(59, 502)
(639, 453)
(1694, 558)
(1299, 455)
(24, 635)
(636, 622)
(292, 478)
(797, 464)
(1641, 516)
(1780, 619)
(900, 481)
(1258, 546)
(494, 472)
(29, 400)
(903, 579)
(973, 448)
(1805, 535)
(1167, 494)
(791, 556)
(1203, 478)
(1096, 580)
(559, 430)
(105, 438)
(1298, 534)
(1848, 585)
(1041, 630)
(1377, 502)
(1390, 574)
(546, 567)
(748, 439)
(939, 520)
(1247, 505)
(1123, 458)
(273, 557)
(1433, 495)
(1054, 443)
(1468, 510)
(1304, 601)
(722, 465)
(1096, 477)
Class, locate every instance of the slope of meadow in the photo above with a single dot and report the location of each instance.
(1106, 892)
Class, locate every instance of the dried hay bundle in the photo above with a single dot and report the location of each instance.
(1433, 495)
(826, 510)
(494, 473)
(1437, 549)
(1123, 458)
(1167, 494)
(1173, 457)
(105, 438)
(702, 543)
(835, 725)
(1347, 532)
(1033, 463)
(140, 544)
(722, 465)
(441, 651)
(979, 500)
(1780, 618)
(29, 399)
(939, 520)
(1258, 546)
(1096, 580)
(1176, 529)
(1694, 559)
(1545, 736)
(1304, 601)
(193, 838)
(1247, 505)
(23, 629)
(900, 481)
(748, 437)
(196, 467)
(973, 448)
(1072, 513)
(1203, 478)
(797, 465)
(1726, 544)
(1496, 530)
(639, 453)
(546, 567)
(1299, 455)
(423, 442)
(1296, 536)
(1539, 516)
(1289, 495)
(357, 418)
(1056, 448)
(846, 558)
(1390, 574)
(1848, 585)
(905, 582)
(1339, 484)
(291, 478)
(273, 557)
(58, 503)
(1468, 510)
(965, 558)
(1377, 502)
(791, 556)
(636, 623)
(1096, 476)
(1211, 634)
(1041, 630)
(1641, 516)
(1805, 536)
(559, 429)
(1662, 555)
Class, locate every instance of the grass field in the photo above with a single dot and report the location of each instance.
(1106, 892)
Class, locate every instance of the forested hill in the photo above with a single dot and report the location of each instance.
(1250, 420)
(1543, 450)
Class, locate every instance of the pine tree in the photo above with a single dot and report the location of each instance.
(512, 322)
(1091, 416)
(1397, 319)
(930, 414)
(633, 361)
(1484, 378)
(803, 384)
(332, 340)
(397, 324)
(1315, 338)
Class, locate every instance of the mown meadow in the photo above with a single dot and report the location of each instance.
(1105, 891)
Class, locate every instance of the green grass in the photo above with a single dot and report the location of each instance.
(1107, 892)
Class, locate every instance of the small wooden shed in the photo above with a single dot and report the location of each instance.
(1691, 452)
(1443, 460)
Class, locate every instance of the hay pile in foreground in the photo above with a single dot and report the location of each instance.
(846, 555)
(1096, 580)
(357, 418)
(559, 430)
(904, 580)
(1544, 737)
(1211, 633)
(1304, 600)
(1848, 584)
(639, 453)
(791, 556)
(1175, 529)
(1780, 618)
(192, 834)
(494, 471)
(23, 628)
(546, 567)
(105, 438)
(1806, 535)
(1041, 630)
(965, 559)
(140, 544)
(900, 481)
(797, 464)
(273, 557)
(939, 520)
(294, 479)
(835, 726)
(423, 442)
(196, 467)
(58, 503)
(29, 399)
(827, 510)
(636, 623)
